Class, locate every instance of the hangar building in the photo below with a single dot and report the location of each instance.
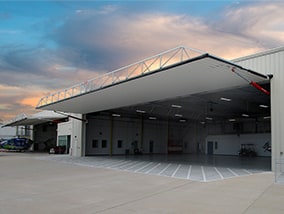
(40, 127)
(182, 101)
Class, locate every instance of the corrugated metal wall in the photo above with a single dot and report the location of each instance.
(272, 62)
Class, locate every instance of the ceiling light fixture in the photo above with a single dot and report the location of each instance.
(116, 115)
(140, 111)
(209, 118)
(152, 118)
(232, 120)
(245, 115)
(267, 117)
(176, 106)
(263, 106)
(178, 115)
(182, 120)
(226, 99)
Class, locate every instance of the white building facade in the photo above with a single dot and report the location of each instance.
(272, 63)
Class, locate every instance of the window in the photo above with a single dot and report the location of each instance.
(62, 140)
(119, 144)
(95, 144)
(104, 143)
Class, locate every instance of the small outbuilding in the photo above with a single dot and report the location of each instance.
(40, 127)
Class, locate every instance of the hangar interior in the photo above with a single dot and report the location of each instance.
(199, 106)
(207, 123)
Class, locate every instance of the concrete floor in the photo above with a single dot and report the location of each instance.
(30, 184)
(192, 167)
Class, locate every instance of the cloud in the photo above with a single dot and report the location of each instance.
(90, 42)
(259, 22)
(108, 42)
(106, 39)
(111, 40)
(28, 74)
(14, 100)
(18, 58)
(21, 66)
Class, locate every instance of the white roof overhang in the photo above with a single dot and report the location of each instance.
(35, 119)
(202, 74)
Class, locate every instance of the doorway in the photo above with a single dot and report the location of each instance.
(151, 147)
(210, 147)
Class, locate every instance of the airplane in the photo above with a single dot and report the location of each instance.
(16, 144)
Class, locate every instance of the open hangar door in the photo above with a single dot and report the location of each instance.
(221, 122)
(169, 109)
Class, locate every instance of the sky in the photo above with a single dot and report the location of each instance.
(46, 46)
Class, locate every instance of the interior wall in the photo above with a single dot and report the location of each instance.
(155, 133)
(125, 134)
(159, 137)
(97, 130)
(231, 144)
(194, 138)
(244, 127)
(230, 135)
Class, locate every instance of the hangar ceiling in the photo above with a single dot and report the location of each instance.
(232, 105)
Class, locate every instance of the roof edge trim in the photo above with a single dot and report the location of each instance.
(238, 66)
(263, 53)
